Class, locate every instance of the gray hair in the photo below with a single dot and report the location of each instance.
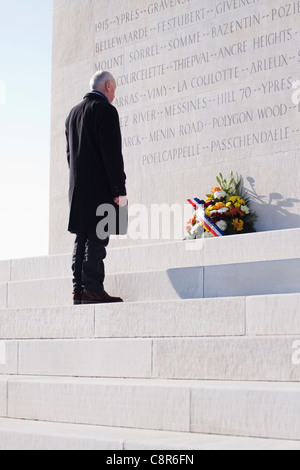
(99, 79)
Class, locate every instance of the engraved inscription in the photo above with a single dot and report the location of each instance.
(197, 80)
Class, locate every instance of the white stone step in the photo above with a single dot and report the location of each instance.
(3, 295)
(215, 339)
(216, 358)
(249, 409)
(230, 316)
(243, 279)
(248, 248)
(48, 322)
(33, 435)
(155, 285)
(253, 359)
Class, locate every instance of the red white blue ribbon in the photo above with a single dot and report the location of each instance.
(205, 219)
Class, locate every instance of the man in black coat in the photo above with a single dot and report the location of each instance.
(97, 180)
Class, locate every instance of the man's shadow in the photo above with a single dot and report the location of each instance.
(272, 210)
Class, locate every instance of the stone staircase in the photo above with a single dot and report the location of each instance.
(204, 353)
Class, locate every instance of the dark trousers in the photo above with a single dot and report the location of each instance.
(88, 267)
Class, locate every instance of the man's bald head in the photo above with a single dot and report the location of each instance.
(105, 83)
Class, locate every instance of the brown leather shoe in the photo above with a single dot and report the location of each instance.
(77, 298)
(96, 298)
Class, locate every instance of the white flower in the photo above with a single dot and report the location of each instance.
(223, 210)
(219, 194)
(188, 236)
(207, 235)
(245, 209)
(196, 231)
(222, 225)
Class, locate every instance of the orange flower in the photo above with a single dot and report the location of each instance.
(190, 223)
(219, 205)
(214, 190)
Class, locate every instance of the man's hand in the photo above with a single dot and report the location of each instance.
(121, 201)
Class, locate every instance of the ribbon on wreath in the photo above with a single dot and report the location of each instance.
(205, 219)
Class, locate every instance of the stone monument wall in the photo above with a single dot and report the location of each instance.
(204, 86)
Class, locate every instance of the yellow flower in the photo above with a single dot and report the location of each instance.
(209, 199)
(238, 224)
(237, 205)
(207, 212)
(228, 204)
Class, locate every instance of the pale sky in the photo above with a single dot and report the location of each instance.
(25, 82)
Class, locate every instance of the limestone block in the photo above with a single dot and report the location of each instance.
(61, 241)
(51, 322)
(66, 22)
(5, 271)
(3, 396)
(41, 268)
(86, 358)
(110, 402)
(59, 175)
(3, 295)
(273, 315)
(40, 293)
(266, 358)
(252, 247)
(8, 357)
(265, 410)
(64, 98)
(204, 317)
(270, 277)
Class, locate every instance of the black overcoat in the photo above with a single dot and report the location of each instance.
(94, 153)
